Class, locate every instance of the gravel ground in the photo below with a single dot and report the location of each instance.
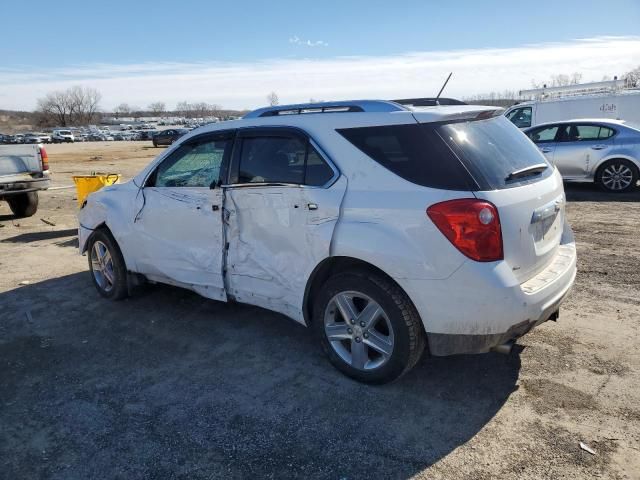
(170, 385)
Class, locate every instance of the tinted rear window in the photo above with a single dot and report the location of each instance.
(492, 149)
(469, 155)
(414, 152)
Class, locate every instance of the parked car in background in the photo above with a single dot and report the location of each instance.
(384, 227)
(167, 137)
(37, 138)
(593, 100)
(24, 169)
(603, 151)
(62, 136)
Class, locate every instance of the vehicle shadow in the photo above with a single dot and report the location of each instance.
(43, 235)
(6, 218)
(589, 192)
(169, 384)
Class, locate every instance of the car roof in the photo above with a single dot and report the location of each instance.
(347, 113)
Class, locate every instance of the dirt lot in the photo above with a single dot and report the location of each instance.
(170, 385)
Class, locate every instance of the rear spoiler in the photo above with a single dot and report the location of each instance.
(453, 115)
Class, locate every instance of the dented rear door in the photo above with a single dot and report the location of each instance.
(277, 228)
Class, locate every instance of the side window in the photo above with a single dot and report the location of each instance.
(317, 173)
(272, 160)
(588, 132)
(194, 164)
(584, 133)
(544, 135)
(605, 133)
(417, 153)
(520, 117)
(286, 159)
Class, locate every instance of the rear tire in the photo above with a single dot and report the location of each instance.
(107, 267)
(24, 204)
(393, 340)
(617, 176)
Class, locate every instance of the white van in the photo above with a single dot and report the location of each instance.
(617, 105)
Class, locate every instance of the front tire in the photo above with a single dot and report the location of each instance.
(107, 267)
(617, 176)
(24, 204)
(368, 327)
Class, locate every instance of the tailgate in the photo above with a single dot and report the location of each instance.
(16, 159)
(511, 173)
(532, 220)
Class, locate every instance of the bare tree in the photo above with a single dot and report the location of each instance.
(500, 99)
(183, 109)
(74, 106)
(197, 110)
(560, 80)
(122, 110)
(273, 99)
(632, 78)
(157, 108)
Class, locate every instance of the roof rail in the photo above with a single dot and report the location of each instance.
(327, 107)
(429, 102)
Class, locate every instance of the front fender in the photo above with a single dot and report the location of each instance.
(115, 207)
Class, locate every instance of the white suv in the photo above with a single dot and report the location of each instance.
(385, 227)
(62, 136)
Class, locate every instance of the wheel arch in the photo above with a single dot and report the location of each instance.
(100, 226)
(619, 156)
(331, 266)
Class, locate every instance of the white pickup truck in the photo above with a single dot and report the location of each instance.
(24, 169)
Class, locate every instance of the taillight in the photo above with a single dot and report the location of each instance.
(472, 226)
(44, 158)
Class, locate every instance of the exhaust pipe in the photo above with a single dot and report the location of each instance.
(505, 348)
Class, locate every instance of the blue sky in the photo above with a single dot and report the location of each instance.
(50, 44)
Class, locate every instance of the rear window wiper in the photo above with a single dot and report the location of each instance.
(527, 172)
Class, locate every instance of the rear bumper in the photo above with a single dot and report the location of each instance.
(24, 186)
(481, 305)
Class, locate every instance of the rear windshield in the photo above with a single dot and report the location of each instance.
(493, 149)
(469, 155)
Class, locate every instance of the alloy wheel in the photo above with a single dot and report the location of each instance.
(102, 266)
(358, 330)
(617, 176)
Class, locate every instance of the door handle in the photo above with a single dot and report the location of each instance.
(312, 206)
(599, 147)
(545, 149)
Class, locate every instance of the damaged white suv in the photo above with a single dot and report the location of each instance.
(387, 227)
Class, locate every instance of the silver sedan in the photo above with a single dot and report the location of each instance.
(603, 151)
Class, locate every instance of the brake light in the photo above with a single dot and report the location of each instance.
(472, 226)
(44, 158)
